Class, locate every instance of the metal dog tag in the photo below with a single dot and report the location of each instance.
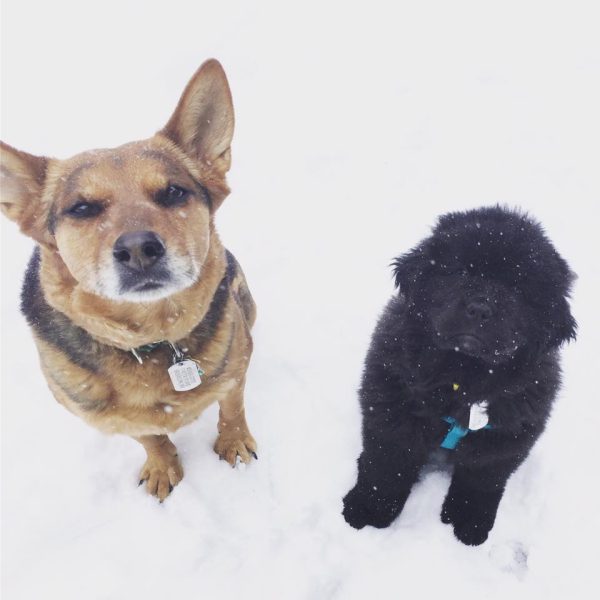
(185, 375)
(478, 417)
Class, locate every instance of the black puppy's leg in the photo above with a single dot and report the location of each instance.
(472, 500)
(387, 469)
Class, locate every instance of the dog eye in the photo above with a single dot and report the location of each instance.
(84, 209)
(173, 195)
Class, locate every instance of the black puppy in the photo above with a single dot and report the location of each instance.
(464, 358)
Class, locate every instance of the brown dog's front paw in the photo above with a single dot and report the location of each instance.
(161, 474)
(229, 447)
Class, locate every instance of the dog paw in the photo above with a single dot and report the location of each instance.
(471, 525)
(229, 447)
(161, 474)
(364, 508)
(471, 532)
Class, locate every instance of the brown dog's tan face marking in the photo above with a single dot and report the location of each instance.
(98, 197)
(132, 223)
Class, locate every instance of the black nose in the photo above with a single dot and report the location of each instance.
(479, 310)
(138, 250)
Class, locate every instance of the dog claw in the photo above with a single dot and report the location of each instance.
(235, 450)
(255, 455)
(162, 471)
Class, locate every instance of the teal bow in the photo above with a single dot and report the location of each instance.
(455, 434)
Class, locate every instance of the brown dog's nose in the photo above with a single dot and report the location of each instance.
(479, 310)
(138, 250)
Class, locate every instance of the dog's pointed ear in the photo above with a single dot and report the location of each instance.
(202, 124)
(23, 177)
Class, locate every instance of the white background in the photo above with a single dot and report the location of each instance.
(357, 124)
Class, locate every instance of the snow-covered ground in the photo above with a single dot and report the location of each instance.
(357, 124)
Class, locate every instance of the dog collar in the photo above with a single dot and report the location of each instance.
(176, 351)
(185, 372)
(145, 349)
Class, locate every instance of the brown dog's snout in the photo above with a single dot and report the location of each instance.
(138, 250)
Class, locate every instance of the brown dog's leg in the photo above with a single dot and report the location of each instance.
(162, 470)
(234, 438)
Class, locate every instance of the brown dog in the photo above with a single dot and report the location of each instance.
(130, 293)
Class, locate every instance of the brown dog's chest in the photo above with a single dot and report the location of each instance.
(112, 391)
(148, 387)
(124, 396)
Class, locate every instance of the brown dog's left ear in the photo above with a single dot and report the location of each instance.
(202, 124)
(23, 177)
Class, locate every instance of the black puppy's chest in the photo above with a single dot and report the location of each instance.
(457, 402)
(452, 416)
(451, 400)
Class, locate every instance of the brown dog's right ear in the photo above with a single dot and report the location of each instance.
(21, 188)
(202, 124)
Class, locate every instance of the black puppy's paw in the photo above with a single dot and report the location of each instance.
(472, 523)
(471, 532)
(362, 507)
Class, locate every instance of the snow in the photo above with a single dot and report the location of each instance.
(355, 128)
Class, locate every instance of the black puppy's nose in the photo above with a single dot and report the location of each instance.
(138, 250)
(479, 310)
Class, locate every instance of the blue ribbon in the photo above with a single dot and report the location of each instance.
(455, 433)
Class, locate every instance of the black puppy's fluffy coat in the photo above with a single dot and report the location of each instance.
(481, 311)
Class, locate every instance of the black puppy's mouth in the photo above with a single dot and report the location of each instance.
(467, 343)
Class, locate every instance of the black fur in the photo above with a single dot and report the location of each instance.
(206, 329)
(483, 306)
(53, 326)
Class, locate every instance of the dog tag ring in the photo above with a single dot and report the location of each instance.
(185, 375)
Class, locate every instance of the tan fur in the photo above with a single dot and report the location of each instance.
(162, 470)
(123, 396)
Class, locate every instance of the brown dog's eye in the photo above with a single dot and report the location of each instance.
(173, 195)
(84, 209)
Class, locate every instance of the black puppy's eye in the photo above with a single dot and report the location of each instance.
(84, 209)
(172, 195)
